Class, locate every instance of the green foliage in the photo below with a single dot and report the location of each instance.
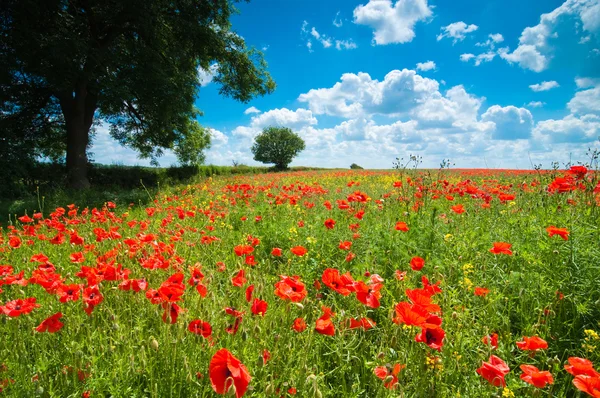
(354, 166)
(132, 64)
(277, 145)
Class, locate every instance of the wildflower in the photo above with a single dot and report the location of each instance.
(18, 307)
(324, 324)
(401, 226)
(481, 291)
(388, 374)
(501, 248)
(200, 327)
(532, 344)
(494, 371)
(259, 307)
(417, 263)
(533, 375)
(225, 371)
(299, 325)
(580, 366)
(239, 279)
(562, 232)
(276, 252)
(290, 288)
(329, 223)
(491, 340)
(299, 250)
(51, 324)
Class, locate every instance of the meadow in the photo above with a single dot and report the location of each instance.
(404, 283)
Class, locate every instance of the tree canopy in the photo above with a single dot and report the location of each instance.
(277, 145)
(67, 64)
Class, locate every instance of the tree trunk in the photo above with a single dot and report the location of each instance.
(78, 109)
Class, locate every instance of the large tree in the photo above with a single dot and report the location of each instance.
(65, 64)
(277, 145)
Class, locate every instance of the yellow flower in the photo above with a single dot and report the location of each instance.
(448, 237)
(507, 393)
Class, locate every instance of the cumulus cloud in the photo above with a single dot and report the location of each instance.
(251, 110)
(570, 129)
(544, 86)
(324, 40)
(586, 101)
(534, 51)
(457, 31)
(425, 66)
(585, 82)
(492, 40)
(284, 117)
(359, 94)
(217, 138)
(345, 44)
(466, 57)
(392, 23)
(510, 122)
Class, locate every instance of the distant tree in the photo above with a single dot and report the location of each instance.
(65, 64)
(354, 166)
(277, 145)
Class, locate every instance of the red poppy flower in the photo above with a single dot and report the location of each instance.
(501, 248)
(249, 260)
(299, 250)
(389, 374)
(417, 263)
(68, 293)
(481, 291)
(200, 327)
(242, 250)
(343, 284)
(226, 371)
(349, 257)
(239, 280)
(410, 314)
(324, 324)
(458, 209)
(18, 307)
(249, 291)
(14, 242)
(299, 325)
(290, 288)
(580, 366)
(369, 295)
(172, 311)
(587, 384)
(533, 375)
(433, 334)
(77, 257)
(345, 245)
(491, 340)
(401, 226)
(51, 324)
(221, 266)
(364, 323)
(422, 298)
(494, 371)
(91, 298)
(259, 307)
(329, 223)
(276, 252)
(400, 274)
(562, 232)
(532, 344)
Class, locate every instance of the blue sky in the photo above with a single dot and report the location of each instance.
(482, 83)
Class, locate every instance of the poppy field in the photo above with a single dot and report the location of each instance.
(404, 283)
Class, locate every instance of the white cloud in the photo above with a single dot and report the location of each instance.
(358, 94)
(544, 86)
(324, 40)
(309, 46)
(337, 22)
(392, 23)
(479, 59)
(205, 76)
(536, 104)
(492, 40)
(250, 110)
(284, 117)
(570, 129)
(510, 122)
(534, 51)
(585, 82)
(218, 139)
(345, 44)
(586, 101)
(425, 66)
(457, 31)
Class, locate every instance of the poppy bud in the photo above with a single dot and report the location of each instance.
(39, 390)
(232, 391)
(299, 305)
(381, 355)
(270, 390)
(257, 330)
(455, 315)
(154, 344)
(393, 341)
